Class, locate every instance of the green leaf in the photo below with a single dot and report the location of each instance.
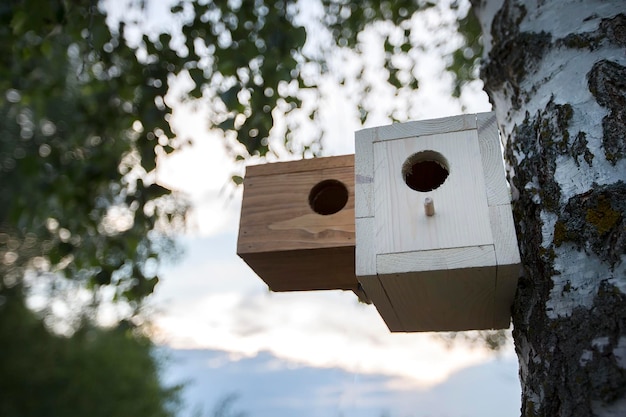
(19, 21)
(197, 75)
(299, 36)
(154, 191)
(229, 97)
(103, 277)
(228, 124)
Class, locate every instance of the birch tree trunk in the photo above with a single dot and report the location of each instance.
(555, 72)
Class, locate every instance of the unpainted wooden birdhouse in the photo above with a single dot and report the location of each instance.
(297, 224)
(436, 248)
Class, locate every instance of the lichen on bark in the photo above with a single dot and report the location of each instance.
(574, 381)
(579, 148)
(540, 139)
(596, 222)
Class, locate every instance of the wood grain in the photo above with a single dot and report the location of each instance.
(462, 217)
(458, 269)
(505, 239)
(306, 270)
(365, 249)
(435, 260)
(376, 293)
(301, 165)
(288, 244)
(425, 127)
(446, 300)
(491, 156)
(364, 174)
(276, 215)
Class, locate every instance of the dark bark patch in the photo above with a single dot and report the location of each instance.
(615, 29)
(596, 222)
(611, 30)
(596, 378)
(541, 139)
(607, 83)
(579, 148)
(514, 55)
(572, 382)
(507, 20)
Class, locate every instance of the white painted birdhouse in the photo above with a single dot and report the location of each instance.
(436, 248)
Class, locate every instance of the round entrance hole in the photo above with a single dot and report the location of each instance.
(328, 197)
(425, 171)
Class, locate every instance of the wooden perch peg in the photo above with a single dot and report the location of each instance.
(429, 206)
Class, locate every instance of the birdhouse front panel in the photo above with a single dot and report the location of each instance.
(404, 178)
(297, 224)
(436, 248)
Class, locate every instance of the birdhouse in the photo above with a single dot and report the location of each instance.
(297, 224)
(436, 248)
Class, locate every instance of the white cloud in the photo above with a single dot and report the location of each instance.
(215, 301)
(295, 327)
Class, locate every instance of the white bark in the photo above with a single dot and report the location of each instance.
(556, 74)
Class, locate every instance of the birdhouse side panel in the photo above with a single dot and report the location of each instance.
(444, 300)
(436, 260)
(364, 174)
(506, 286)
(306, 270)
(375, 291)
(423, 127)
(509, 263)
(492, 159)
(277, 216)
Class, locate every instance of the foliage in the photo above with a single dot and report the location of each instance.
(82, 121)
(84, 115)
(251, 58)
(96, 372)
(494, 340)
(465, 61)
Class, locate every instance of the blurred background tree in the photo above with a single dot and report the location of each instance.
(96, 372)
(85, 115)
(84, 112)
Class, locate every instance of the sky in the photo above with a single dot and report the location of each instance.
(267, 386)
(323, 351)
